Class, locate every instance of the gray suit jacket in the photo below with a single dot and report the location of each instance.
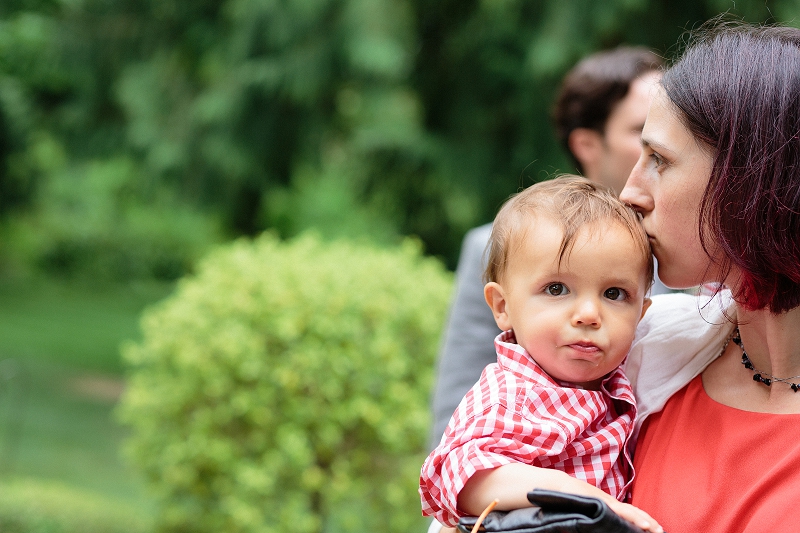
(468, 339)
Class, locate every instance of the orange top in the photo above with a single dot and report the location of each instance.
(705, 467)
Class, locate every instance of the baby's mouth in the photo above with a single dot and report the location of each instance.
(586, 347)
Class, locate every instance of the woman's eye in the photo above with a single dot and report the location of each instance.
(615, 293)
(556, 289)
(657, 159)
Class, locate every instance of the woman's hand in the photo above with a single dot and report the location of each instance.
(634, 515)
(510, 484)
(628, 512)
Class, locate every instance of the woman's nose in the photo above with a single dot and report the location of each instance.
(635, 193)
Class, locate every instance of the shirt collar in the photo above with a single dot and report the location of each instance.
(516, 359)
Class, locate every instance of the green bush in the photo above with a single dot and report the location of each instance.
(285, 387)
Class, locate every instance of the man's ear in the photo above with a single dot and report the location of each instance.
(645, 306)
(587, 147)
(495, 297)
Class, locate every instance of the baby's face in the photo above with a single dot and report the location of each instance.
(576, 319)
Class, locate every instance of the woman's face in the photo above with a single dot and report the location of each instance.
(666, 187)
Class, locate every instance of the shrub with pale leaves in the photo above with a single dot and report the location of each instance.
(285, 387)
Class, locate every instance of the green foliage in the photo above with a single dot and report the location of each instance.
(359, 118)
(285, 388)
(95, 221)
(73, 199)
(30, 506)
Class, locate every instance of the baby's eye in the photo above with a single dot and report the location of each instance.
(556, 289)
(615, 293)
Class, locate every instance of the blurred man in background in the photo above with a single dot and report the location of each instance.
(599, 114)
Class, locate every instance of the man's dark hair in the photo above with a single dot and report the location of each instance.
(737, 90)
(595, 85)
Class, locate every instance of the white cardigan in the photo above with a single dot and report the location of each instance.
(678, 337)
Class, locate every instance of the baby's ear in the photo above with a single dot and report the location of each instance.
(645, 306)
(495, 297)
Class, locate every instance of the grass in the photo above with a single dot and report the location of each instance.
(36, 506)
(74, 325)
(58, 434)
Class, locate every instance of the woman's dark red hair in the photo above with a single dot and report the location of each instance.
(737, 89)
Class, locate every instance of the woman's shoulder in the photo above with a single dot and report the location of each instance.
(679, 335)
(679, 326)
(690, 313)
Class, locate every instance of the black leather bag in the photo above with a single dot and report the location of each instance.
(555, 512)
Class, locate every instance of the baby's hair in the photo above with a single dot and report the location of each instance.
(572, 202)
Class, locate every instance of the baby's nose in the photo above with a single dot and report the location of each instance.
(587, 313)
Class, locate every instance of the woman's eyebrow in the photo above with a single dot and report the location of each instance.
(654, 145)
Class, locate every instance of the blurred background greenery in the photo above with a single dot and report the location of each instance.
(136, 135)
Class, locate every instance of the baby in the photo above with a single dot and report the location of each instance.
(567, 275)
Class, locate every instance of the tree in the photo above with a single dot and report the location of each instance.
(377, 118)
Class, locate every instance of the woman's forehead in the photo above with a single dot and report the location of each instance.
(663, 130)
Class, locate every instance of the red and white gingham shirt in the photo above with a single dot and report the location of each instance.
(517, 413)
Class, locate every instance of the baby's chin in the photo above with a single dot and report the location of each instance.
(589, 378)
(582, 383)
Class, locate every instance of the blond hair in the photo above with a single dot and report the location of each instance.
(571, 201)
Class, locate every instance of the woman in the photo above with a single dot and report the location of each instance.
(718, 188)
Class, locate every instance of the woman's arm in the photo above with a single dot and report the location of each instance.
(505, 483)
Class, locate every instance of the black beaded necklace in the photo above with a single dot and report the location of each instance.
(763, 377)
